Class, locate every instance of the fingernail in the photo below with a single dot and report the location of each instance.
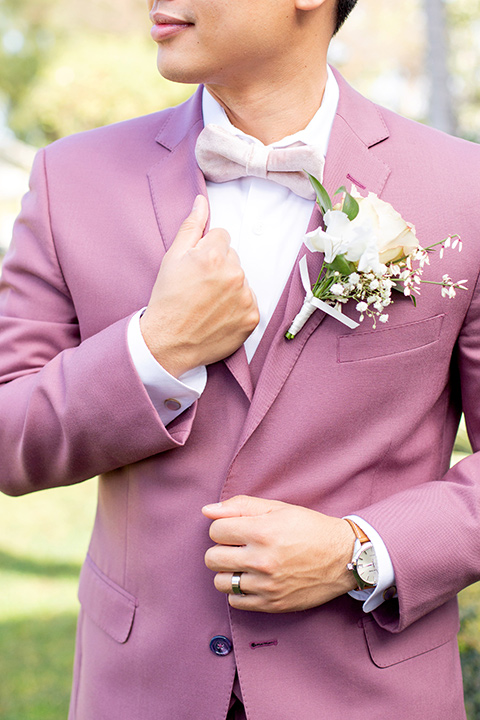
(212, 506)
(197, 202)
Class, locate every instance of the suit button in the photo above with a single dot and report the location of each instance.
(220, 645)
(172, 404)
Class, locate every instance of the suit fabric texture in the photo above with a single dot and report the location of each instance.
(342, 421)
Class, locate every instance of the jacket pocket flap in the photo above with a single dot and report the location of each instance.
(389, 341)
(432, 631)
(108, 605)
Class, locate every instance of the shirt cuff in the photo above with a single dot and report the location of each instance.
(385, 588)
(170, 396)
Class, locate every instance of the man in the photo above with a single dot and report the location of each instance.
(200, 397)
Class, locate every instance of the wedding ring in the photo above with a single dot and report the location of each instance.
(236, 590)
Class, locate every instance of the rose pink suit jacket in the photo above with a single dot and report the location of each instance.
(342, 421)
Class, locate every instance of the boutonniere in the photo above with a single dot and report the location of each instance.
(370, 251)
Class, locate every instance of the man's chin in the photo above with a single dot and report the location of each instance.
(179, 74)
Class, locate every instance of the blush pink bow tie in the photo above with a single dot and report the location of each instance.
(222, 156)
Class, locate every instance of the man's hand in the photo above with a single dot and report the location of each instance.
(201, 309)
(292, 558)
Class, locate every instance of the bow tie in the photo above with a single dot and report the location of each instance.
(222, 156)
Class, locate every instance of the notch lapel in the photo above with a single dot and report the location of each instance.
(175, 180)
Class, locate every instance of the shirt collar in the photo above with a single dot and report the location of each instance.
(316, 133)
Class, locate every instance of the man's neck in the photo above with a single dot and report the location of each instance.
(272, 112)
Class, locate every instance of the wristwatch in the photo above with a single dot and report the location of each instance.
(364, 561)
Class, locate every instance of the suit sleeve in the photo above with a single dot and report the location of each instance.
(69, 410)
(431, 530)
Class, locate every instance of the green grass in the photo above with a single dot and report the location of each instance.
(43, 540)
(36, 666)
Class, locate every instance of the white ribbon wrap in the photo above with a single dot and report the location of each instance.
(311, 303)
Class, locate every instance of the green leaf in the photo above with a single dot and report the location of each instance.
(323, 197)
(342, 265)
(350, 205)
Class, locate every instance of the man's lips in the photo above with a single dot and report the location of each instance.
(165, 26)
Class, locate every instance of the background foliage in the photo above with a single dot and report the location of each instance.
(66, 67)
(70, 66)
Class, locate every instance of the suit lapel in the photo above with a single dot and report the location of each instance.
(358, 126)
(175, 180)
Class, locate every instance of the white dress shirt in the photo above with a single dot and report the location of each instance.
(267, 223)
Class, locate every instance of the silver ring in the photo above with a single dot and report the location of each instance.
(236, 590)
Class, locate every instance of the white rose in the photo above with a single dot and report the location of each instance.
(395, 238)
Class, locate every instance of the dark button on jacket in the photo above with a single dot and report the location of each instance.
(220, 645)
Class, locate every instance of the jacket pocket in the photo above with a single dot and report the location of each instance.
(389, 341)
(107, 604)
(432, 631)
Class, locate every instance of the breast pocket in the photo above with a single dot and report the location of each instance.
(107, 604)
(389, 340)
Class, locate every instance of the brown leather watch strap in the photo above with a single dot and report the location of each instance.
(358, 531)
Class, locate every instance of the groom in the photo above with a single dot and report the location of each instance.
(188, 396)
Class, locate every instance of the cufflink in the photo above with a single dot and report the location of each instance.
(172, 404)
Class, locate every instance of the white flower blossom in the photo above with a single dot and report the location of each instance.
(332, 240)
(337, 289)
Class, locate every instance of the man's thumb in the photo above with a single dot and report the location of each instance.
(240, 506)
(191, 230)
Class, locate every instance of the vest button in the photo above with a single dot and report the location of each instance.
(220, 645)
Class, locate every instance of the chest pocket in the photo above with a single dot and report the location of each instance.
(389, 341)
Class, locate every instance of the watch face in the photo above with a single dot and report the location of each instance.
(367, 565)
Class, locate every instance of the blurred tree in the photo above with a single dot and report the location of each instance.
(464, 24)
(67, 67)
(27, 38)
(441, 110)
(91, 80)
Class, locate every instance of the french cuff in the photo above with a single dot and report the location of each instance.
(385, 588)
(170, 396)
